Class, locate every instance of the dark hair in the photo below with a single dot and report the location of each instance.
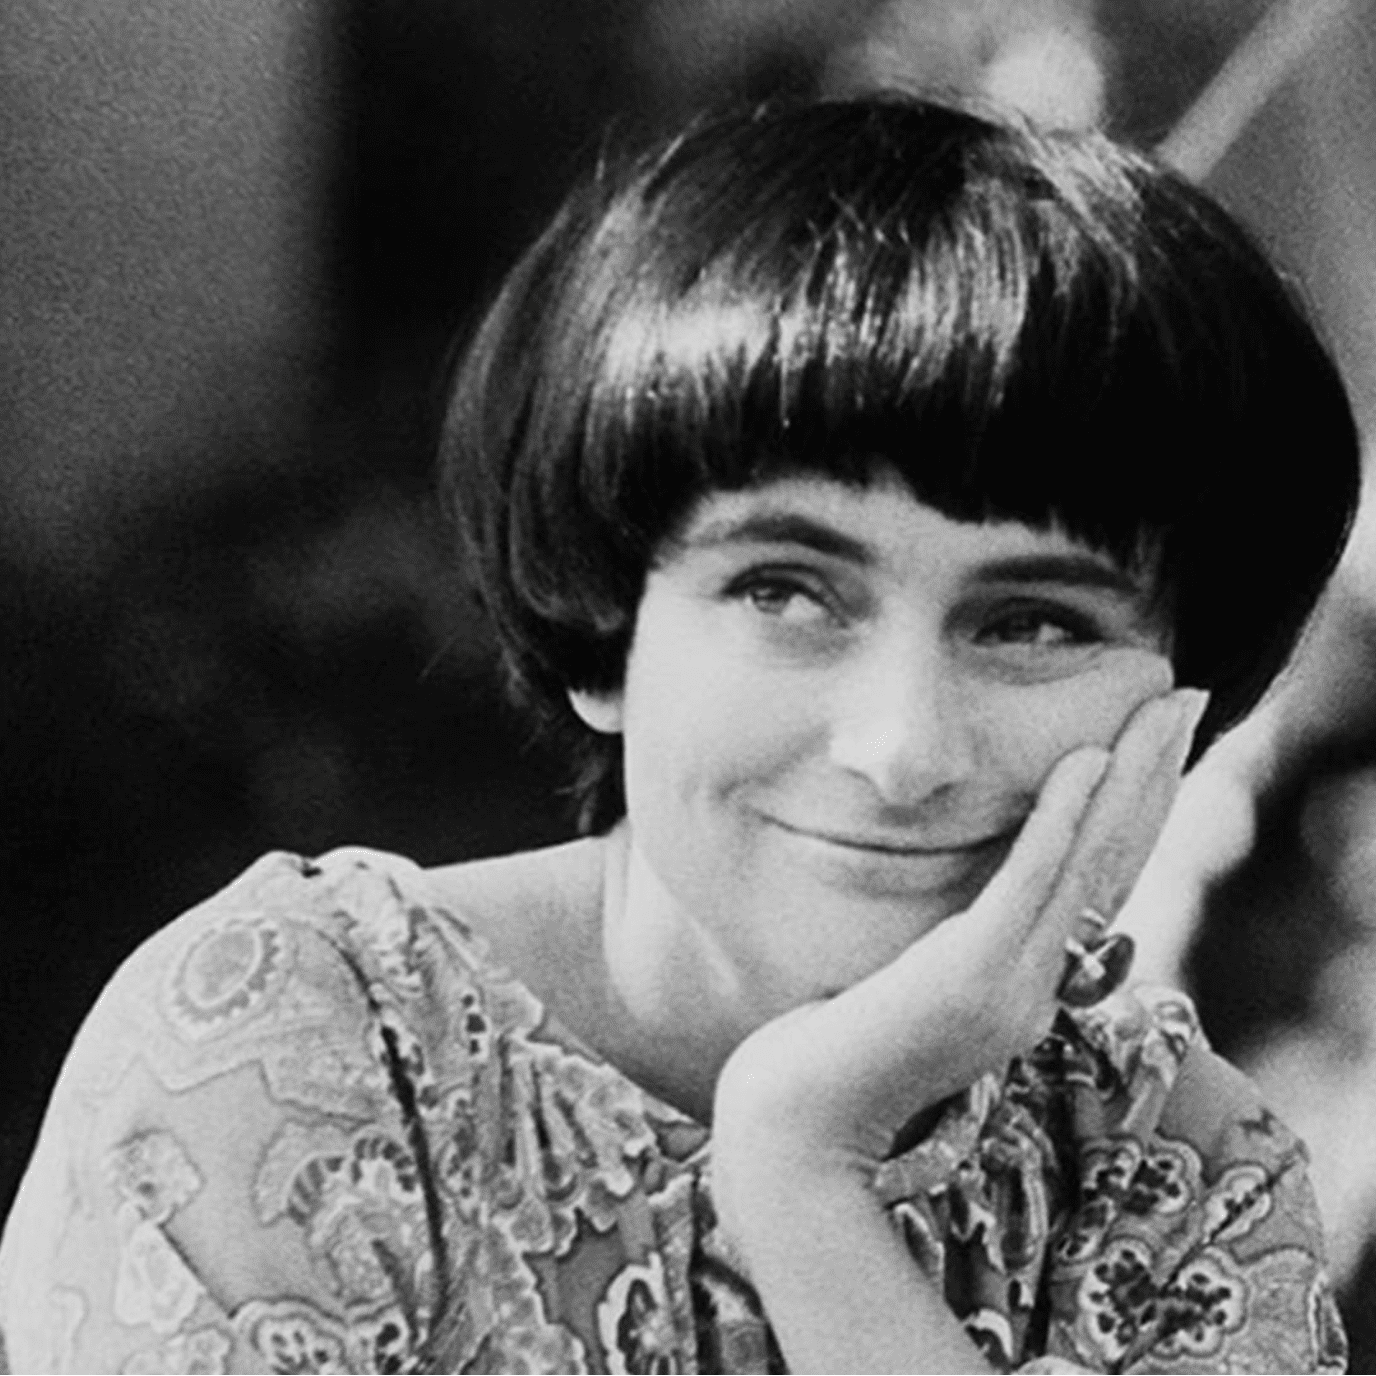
(1043, 327)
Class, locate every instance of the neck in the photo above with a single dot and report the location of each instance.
(681, 1000)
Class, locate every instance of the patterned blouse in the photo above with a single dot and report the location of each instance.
(311, 1127)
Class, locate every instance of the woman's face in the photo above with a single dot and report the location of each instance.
(838, 709)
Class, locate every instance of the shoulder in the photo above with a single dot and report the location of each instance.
(308, 973)
(295, 954)
(262, 1061)
(304, 979)
(534, 909)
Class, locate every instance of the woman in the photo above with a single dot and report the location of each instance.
(883, 504)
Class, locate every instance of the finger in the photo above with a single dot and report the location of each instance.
(1119, 831)
(1024, 881)
(1027, 878)
(1125, 817)
(1090, 927)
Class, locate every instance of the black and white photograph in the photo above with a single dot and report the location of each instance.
(688, 686)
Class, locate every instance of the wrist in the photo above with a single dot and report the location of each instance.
(767, 1119)
(816, 1242)
(764, 1163)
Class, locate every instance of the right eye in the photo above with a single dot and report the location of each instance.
(789, 599)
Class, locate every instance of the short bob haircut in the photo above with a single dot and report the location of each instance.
(1047, 328)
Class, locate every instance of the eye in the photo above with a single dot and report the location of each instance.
(1039, 628)
(790, 599)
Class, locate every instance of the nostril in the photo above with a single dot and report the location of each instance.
(903, 719)
(904, 766)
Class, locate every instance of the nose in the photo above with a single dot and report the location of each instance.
(904, 720)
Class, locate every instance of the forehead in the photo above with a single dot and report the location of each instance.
(882, 524)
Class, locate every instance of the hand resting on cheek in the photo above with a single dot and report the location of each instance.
(821, 1092)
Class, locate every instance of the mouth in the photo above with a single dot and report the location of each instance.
(900, 847)
(885, 866)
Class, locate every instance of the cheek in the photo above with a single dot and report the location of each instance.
(701, 719)
(1030, 728)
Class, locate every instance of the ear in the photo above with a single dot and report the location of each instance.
(601, 711)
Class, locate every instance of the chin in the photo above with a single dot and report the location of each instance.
(841, 944)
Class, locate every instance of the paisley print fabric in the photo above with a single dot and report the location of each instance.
(311, 1127)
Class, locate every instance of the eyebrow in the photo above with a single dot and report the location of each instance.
(778, 527)
(785, 527)
(1073, 570)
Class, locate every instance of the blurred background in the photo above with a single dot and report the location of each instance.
(236, 242)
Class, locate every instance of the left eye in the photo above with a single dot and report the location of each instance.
(1038, 629)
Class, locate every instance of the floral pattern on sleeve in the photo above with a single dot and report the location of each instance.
(445, 1181)
(1108, 1235)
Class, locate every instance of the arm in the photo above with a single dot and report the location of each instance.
(819, 1094)
(841, 1289)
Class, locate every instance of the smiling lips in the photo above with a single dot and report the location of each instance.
(884, 867)
(893, 846)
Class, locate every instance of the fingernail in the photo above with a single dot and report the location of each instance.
(1193, 701)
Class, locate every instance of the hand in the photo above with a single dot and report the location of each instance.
(830, 1083)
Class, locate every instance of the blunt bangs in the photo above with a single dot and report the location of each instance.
(980, 332)
(1044, 328)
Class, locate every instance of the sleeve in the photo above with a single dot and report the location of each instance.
(1196, 1244)
(231, 1176)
